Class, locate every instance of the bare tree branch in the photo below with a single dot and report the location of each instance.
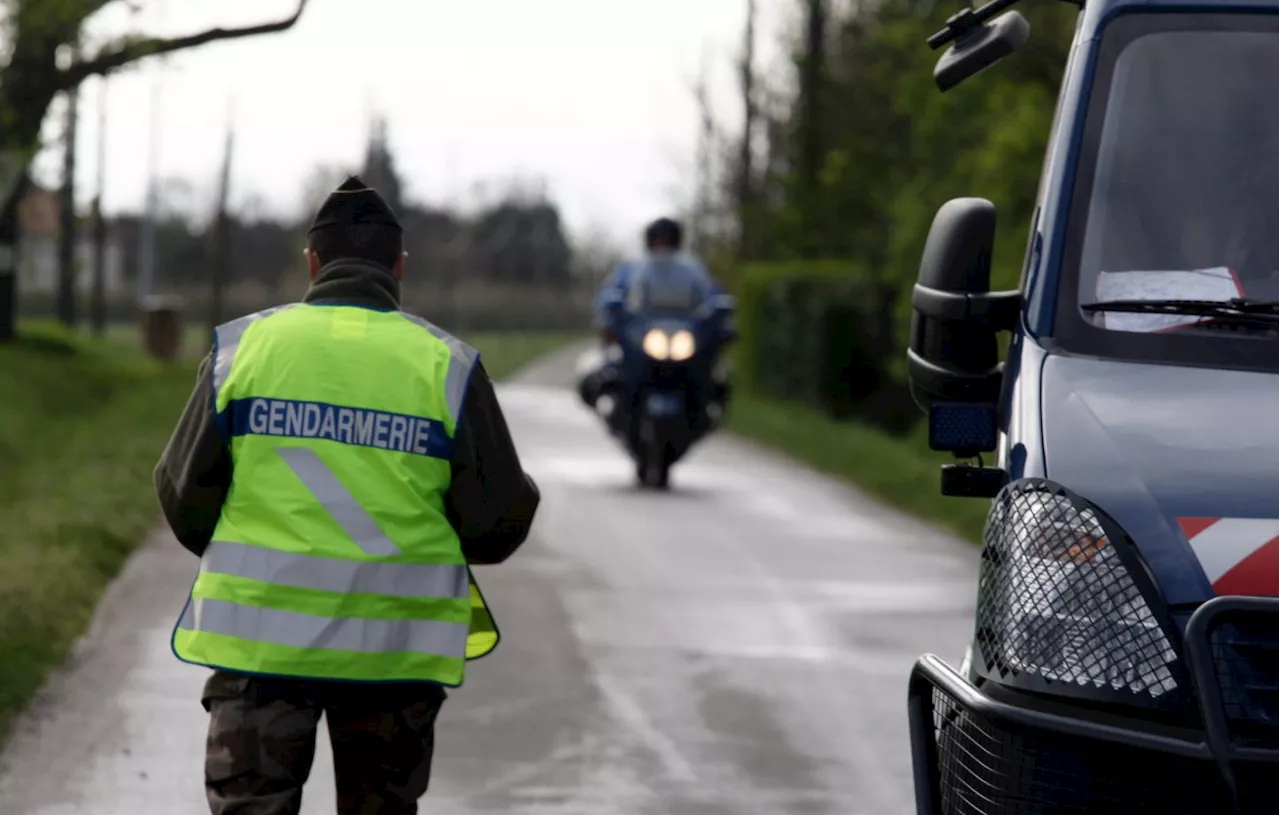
(130, 51)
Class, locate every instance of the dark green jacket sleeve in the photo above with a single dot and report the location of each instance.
(491, 500)
(194, 471)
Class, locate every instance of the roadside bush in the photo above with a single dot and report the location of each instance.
(821, 333)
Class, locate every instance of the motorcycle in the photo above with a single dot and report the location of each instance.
(658, 381)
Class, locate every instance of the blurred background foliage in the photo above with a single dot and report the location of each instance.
(813, 207)
(831, 185)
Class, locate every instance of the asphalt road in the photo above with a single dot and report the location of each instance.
(738, 645)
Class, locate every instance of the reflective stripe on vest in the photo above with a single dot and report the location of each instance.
(321, 567)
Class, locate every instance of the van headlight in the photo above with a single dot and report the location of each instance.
(1065, 604)
(656, 343)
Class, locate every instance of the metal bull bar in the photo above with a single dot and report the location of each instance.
(1213, 743)
(1227, 753)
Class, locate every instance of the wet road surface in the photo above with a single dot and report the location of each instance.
(739, 645)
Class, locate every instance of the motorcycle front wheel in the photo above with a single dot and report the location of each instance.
(654, 475)
(653, 468)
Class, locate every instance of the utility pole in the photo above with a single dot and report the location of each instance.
(67, 234)
(147, 234)
(221, 236)
(98, 304)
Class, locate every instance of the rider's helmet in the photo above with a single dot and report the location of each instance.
(664, 233)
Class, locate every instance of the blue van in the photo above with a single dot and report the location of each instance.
(1124, 650)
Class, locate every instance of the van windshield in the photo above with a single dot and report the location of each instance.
(1181, 200)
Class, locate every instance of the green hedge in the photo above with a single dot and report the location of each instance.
(822, 333)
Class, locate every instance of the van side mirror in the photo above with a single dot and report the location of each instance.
(953, 356)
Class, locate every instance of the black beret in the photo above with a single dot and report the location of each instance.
(353, 202)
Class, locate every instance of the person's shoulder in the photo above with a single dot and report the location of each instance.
(432, 333)
(690, 263)
(693, 260)
(626, 269)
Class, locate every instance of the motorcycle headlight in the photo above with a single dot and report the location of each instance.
(656, 343)
(1064, 603)
(682, 345)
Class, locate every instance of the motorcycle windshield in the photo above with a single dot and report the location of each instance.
(667, 286)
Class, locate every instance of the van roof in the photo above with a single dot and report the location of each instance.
(1096, 9)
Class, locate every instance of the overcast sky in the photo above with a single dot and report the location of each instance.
(593, 95)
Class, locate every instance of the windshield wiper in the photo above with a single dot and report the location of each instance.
(1240, 309)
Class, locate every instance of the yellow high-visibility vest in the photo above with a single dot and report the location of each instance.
(333, 557)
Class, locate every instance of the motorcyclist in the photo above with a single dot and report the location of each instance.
(665, 278)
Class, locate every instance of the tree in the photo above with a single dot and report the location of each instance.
(595, 255)
(521, 241)
(812, 76)
(704, 172)
(36, 31)
(66, 299)
(380, 167)
(857, 148)
(322, 180)
(744, 180)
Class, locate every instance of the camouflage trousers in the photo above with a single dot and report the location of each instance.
(262, 739)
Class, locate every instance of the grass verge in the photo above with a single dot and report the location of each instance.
(901, 472)
(82, 423)
(81, 426)
(505, 353)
